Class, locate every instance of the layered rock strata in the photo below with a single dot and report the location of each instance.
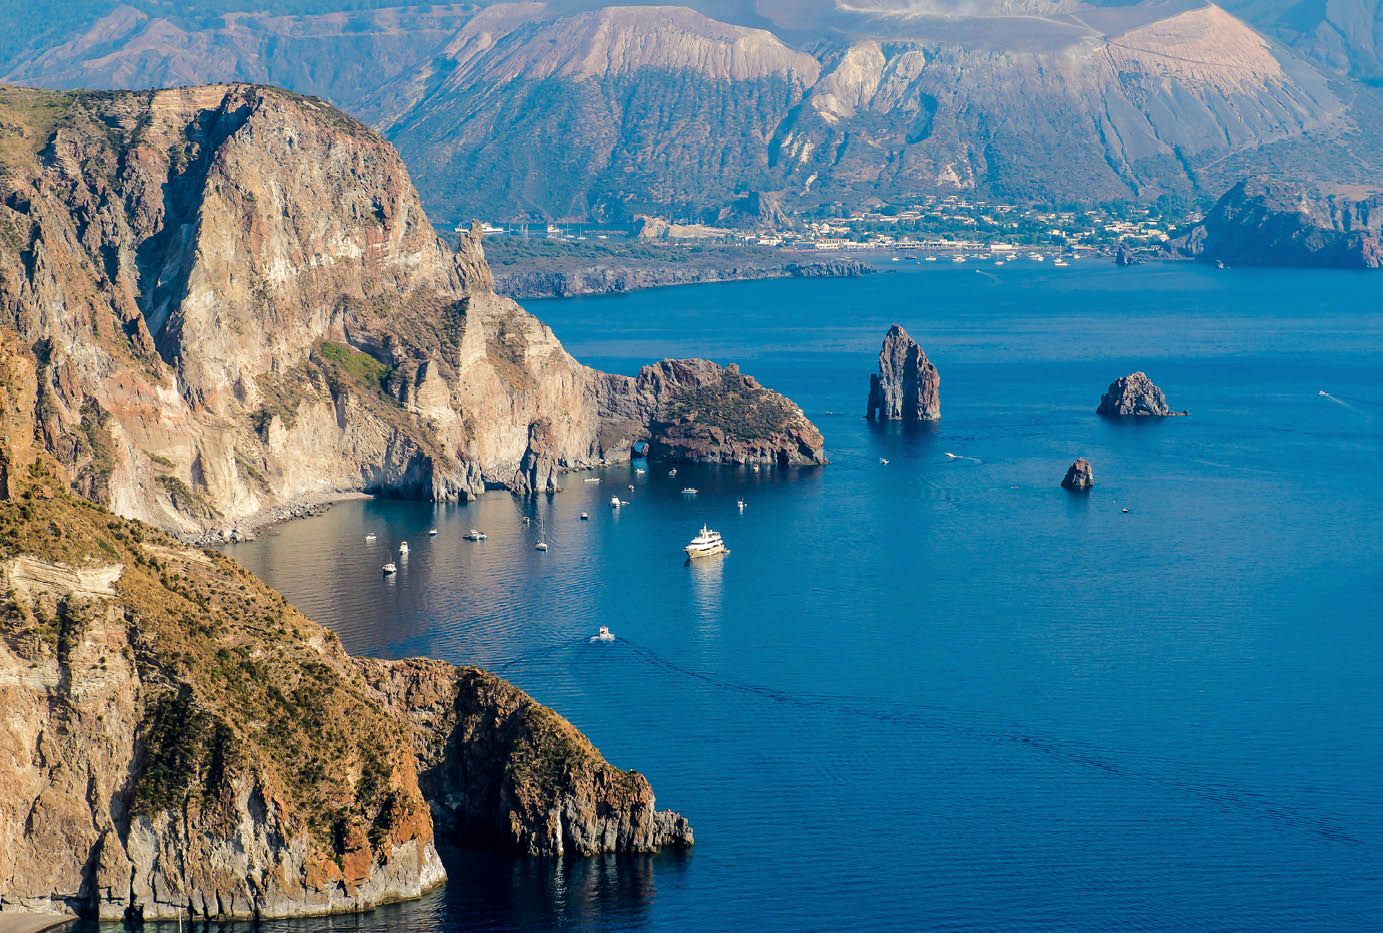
(180, 742)
(1134, 394)
(907, 386)
(237, 302)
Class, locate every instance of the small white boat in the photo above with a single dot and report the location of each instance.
(754, 467)
(371, 537)
(527, 520)
(739, 503)
(540, 546)
(930, 259)
(403, 548)
(638, 470)
(1061, 262)
(390, 568)
(631, 487)
(614, 502)
(593, 479)
(585, 517)
(604, 634)
(688, 491)
(958, 259)
(1125, 511)
(624, 502)
(707, 544)
(673, 471)
(432, 532)
(474, 535)
(884, 461)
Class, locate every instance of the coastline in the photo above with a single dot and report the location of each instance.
(524, 283)
(252, 526)
(23, 921)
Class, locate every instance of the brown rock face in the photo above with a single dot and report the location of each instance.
(1079, 475)
(695, 411)
(502, 770)
(239, 303)
(907, 386)
(1133, 394)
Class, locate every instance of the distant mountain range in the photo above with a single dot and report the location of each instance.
(570, 110)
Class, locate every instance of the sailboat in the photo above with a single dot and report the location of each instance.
(542, 538)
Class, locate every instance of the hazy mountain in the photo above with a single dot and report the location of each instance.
(569, 109)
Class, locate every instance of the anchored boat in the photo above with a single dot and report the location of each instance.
(707, 544)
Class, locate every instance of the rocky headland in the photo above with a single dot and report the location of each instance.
(1272, 223)
(237, 304)
(907, 386)
(1134, 394)
(1079, 475)
(181, 742)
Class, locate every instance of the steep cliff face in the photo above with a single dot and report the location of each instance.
(907, 386)
(497, 766)
(1266, 223)
(180, 742)
(237, 301)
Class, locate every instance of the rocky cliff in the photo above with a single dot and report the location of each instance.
(907, 386)
(1268, 223)
(181, 742)
(1079, 475)
(237, 301)
(1134, 394)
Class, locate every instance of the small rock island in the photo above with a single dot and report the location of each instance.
(1134, 394)
(907, 386)
(1079, 475)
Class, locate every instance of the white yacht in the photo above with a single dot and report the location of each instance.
(673, 471)
(432, 532)
(474, 535)
(688, 490)
(371, 536)
(593, 479)
(604, 634)
(706, 544)
(390, 568)
(403, 547)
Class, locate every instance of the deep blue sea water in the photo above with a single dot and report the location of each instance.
(945, 693)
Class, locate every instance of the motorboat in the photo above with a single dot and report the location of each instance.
(593, 479)
(370, 537)
(638, 470)
(603, 634)
(474, 535)
(706, 544)
(673, 471)
(739, 503)
(614, 502)
(688, 490)
(1060, 262)
(403, 547)
(540, 546)
(585, 517)
(884, 461)
(432, 532)
(631, 487)
(390, 568)
(624, 502)
(754, 467)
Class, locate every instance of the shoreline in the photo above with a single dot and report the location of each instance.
(252, 526)
(537, 282)
(33, 921)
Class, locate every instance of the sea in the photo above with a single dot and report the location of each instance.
(942, 692)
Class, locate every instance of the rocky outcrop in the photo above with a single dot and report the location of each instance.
(695, 411)
(523, 283)
(239, 304)
(1127, 256)
(180, 742)
(1271, 223)
(1079, 475)
(498, 767)
(1134, 394)
(907, 386)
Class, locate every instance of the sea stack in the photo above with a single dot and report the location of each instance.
(907, 386)
(1079, 475)
(1134, 394)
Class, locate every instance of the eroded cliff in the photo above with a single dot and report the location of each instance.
(236, 301)
(179, 741)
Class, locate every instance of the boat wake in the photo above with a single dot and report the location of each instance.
(1208, 789)
(951, 456)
